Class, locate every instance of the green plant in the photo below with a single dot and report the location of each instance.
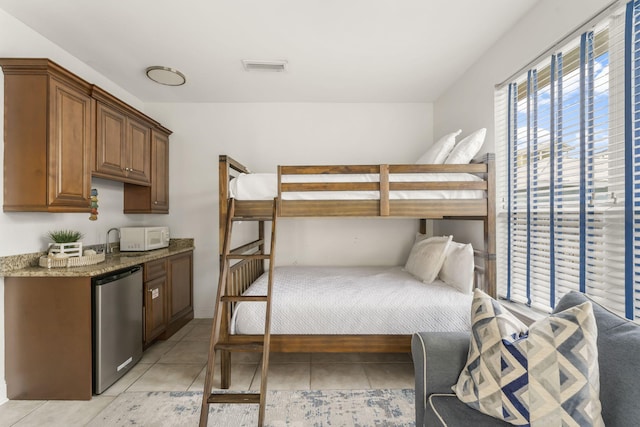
(65, 236)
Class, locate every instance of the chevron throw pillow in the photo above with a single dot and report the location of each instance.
(544, 375)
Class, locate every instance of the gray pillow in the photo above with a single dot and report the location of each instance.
(619, 356)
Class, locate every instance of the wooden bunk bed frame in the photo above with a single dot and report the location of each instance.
(245, 272)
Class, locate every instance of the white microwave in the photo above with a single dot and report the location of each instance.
(143, 238)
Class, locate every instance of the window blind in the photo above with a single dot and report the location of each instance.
(560, 144)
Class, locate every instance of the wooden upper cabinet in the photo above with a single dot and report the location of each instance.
(123, 144)
(155, 198)
(138, 151)
(160, 170)
(59, 130)
(111, 130)
(48, 147)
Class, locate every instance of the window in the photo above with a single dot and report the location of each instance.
(569, 213)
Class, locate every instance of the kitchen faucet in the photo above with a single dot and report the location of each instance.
(107, 248)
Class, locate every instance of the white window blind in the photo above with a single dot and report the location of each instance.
(560, 142)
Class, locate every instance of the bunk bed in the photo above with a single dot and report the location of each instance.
(395, 191)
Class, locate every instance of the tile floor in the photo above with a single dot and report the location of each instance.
(178, 364)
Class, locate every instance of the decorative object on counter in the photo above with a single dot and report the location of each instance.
(65, 244)
(94, 205)
(79, 261)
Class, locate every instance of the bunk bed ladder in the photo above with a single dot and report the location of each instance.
(216, 344)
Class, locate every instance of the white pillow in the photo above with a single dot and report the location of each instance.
(467, 148)
(426, 257)
(438, 152)
(458, 266)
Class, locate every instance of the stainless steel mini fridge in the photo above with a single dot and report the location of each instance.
(117, 325)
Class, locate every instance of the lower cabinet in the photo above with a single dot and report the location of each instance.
(155, 308)
(168, 299)
(48, 338)
(180, 291)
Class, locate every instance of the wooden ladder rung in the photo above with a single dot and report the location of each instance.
(250, 347)
(250, 256)
(258, 298)
(234, 398)
(252, 218)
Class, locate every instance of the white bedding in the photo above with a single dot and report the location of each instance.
(352, 300)
(264, 186)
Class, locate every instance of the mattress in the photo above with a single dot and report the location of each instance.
(264, 186)
(352, 300)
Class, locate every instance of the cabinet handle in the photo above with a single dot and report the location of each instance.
(155, 203)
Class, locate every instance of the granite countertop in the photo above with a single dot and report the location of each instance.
(27, 265)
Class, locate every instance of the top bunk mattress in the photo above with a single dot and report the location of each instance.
(352, 301)
(264, 186)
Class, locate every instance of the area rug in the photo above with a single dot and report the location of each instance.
(357, 408)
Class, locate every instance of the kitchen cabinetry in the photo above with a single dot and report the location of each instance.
(48, 338)
(168, 296)
(49, 127)
(48, 346)
(155, 299)
(180, 291)
(123, 142)
(154, 198)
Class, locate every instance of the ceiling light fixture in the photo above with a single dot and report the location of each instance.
(253, 65)
(166, 76)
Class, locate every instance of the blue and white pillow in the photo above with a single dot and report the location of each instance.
(544, 375)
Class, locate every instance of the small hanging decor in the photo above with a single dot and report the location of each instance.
(94, 204)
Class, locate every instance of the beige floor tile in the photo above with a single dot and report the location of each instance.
(241, 377)
(12, 411)
(292, 376)
(199, 332)
(202, 321)
(278, 358)
(166, 377)
(385, 357)
(390, 375)
(243, 357)
(338, 376)
(336, 357)
(195, 352)
(129, 378)
(156, 351)
(65, 413)
(182, 332)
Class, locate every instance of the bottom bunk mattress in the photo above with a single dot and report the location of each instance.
(352, 301)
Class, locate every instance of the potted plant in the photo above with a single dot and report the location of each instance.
(65, 243)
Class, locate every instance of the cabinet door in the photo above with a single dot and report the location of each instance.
(70, 145)
(155, 308)
(181, 289)
(111, 141)
(160, 172)
(138, 152)
(153, 198)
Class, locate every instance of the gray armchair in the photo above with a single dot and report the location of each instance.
(439, 357)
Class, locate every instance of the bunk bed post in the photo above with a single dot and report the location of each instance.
(223, 185)
(490, 227)
(384, 190)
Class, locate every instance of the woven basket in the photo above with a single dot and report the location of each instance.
(47, 262)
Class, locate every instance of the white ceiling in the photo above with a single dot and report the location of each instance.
(337, 50)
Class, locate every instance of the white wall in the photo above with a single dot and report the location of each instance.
(469, 103)
(264, 135)
(25, 232)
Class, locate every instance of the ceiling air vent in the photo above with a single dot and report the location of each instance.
(251, 65)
